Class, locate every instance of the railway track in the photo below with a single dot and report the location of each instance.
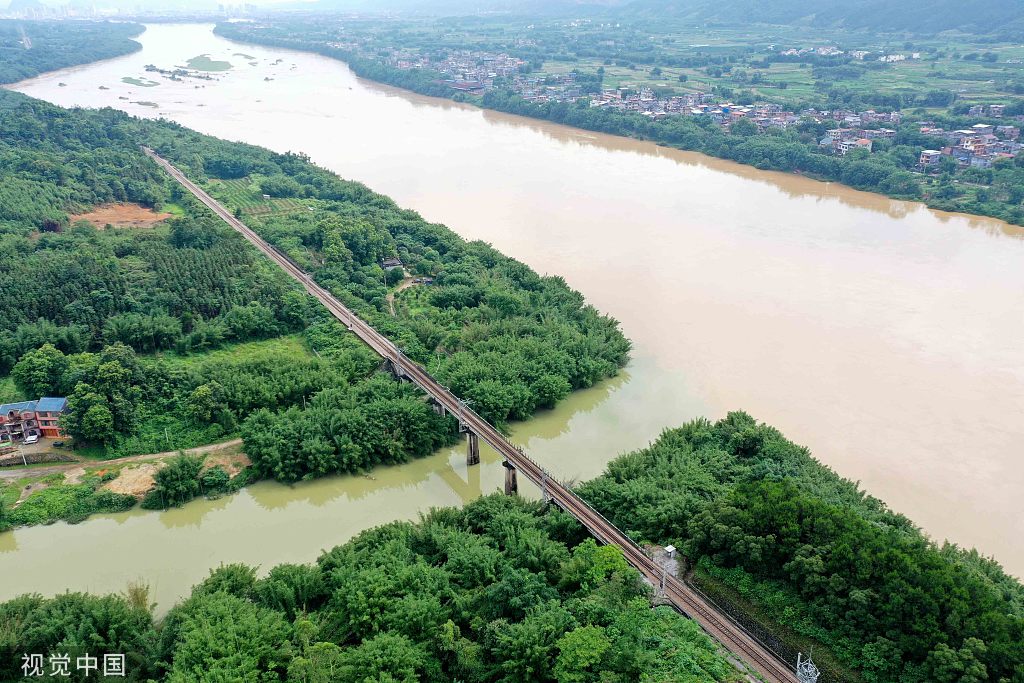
(684, 599)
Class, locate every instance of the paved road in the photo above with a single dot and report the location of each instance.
(718, 625)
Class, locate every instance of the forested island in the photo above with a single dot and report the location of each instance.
(29, 48)
(558, 70)
(181, 334)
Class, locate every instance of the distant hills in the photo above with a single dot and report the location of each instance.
(462, 7)
(24, 5)
(1004, 18)
(912, 16)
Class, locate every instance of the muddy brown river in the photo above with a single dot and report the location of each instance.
(886, 337)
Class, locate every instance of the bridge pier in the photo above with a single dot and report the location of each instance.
(393, 369)
(438, 407)
(472, 449)
(511, 485)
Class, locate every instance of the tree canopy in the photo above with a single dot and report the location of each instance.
(754, 510)
(56, 45)
(502, 590)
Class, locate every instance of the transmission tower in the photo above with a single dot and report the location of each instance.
(806, 672)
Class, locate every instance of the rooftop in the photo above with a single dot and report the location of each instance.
(20, 406)
(47, 404)
(51, 404)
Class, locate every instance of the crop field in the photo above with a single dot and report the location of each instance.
(798, 79)
(793, 82)
(244, 193)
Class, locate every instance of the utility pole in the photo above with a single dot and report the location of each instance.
(464, 403)
(669, 553)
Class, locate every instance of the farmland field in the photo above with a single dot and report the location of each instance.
(245, 194)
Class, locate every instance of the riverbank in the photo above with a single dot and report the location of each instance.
(53, 45)
(74, 491)
(778, 150)
(46, 468)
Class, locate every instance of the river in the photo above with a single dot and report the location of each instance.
(886, 337)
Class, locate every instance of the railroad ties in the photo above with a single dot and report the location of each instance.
(730, 634)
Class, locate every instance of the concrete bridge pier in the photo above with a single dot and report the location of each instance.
(438, 407)
(472, 449)
(511, 485)
(394, 369)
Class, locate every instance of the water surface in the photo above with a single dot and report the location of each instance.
(884, 336)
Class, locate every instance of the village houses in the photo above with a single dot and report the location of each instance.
(29, 420)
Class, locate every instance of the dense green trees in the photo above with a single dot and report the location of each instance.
(107, 395)
(77, 295)
(76, 287)
(40, 372)
(499, 591)
(56, 45)
(220, 636)
(346, 430)
(76, 624)
(757, 511)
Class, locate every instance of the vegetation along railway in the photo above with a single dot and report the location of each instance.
(681, 596)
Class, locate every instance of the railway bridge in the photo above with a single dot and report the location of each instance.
(718, 625)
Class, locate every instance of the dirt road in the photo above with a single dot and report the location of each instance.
(13, 474)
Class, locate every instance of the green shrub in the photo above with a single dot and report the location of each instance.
(153, 500)
(215, 480)
(178, 482)
(71, 503)
(108, 501)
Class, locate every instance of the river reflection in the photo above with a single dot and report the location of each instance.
(265, 524)
(884, 336)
